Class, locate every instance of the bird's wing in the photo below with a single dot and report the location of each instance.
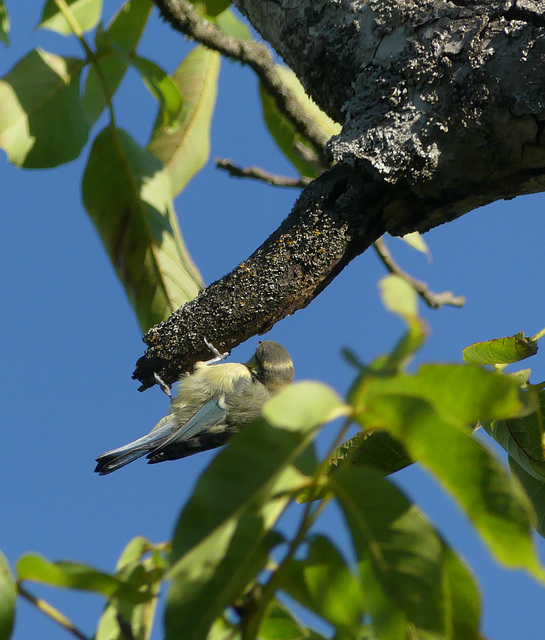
(117, 458)
(210, 414)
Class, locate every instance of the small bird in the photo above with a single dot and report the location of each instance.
(213, 403)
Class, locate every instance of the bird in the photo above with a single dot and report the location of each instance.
(213, 402)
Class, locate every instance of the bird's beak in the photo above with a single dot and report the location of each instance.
(252, 364)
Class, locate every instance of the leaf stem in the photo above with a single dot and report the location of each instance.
(51, 612)
(90, 54)
(433, 300)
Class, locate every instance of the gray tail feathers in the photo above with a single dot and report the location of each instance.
(117, 458)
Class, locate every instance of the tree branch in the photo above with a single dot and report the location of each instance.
(51, 612)
(256, 173)
(433, 300)
(183, 17)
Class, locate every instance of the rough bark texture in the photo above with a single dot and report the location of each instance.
(443, 110)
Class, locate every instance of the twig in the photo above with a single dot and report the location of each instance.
(433, 300)
(256, 173)
(50, 611)
(184, 18)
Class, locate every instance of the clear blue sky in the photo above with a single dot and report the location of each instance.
(70, 340)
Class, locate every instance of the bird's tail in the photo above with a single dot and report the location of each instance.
(117, 458)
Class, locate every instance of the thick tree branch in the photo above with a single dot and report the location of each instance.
(444, 111)
(183, 17)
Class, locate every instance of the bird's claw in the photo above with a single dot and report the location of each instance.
(218, 357)
(163, 385)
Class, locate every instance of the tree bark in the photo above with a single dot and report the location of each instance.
(443, 110)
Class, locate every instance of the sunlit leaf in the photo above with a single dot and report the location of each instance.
(42, 120)
(304, 405)
(501, 350)
(416, 241)
(124, 31)
(398, 296)
(127, 195)
(210, 8)
(409, 574)
(72, 575)
(85, 13)
(294, 146)
(232, 26)
(184, 148)
(8, 596)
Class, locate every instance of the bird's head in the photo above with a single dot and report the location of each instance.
(272, 365)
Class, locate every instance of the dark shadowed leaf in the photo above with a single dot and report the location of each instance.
(523, 439)
(414, 585)
(8, 596)
(42, 120)
(323, 583)
(498, 508)
(127, 195)
(4, 23)
(535, 488)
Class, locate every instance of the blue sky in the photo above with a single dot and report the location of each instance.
(70, 340)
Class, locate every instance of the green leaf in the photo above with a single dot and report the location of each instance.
(184, 148)
(304, 405)
(42, 121)
(124, 31)
(523, 438)
(210, 8)
(127, 195)
(414, 585)
(535, 488)
(323, 583)
(416, 241)
(86, 14)
(72, 575)
(497, 507)
(292, 144)
(4, 23)
(224, 535)
(161, 86)
(8, 596)
(232, 26)
(398, 296)
(145, 576)
(374, 449)
(281, 624)
(461, 394)
(501, 350)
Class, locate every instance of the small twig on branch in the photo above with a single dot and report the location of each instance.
(51, 612)
(184, 18)
(433, 300)
(256, 173)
